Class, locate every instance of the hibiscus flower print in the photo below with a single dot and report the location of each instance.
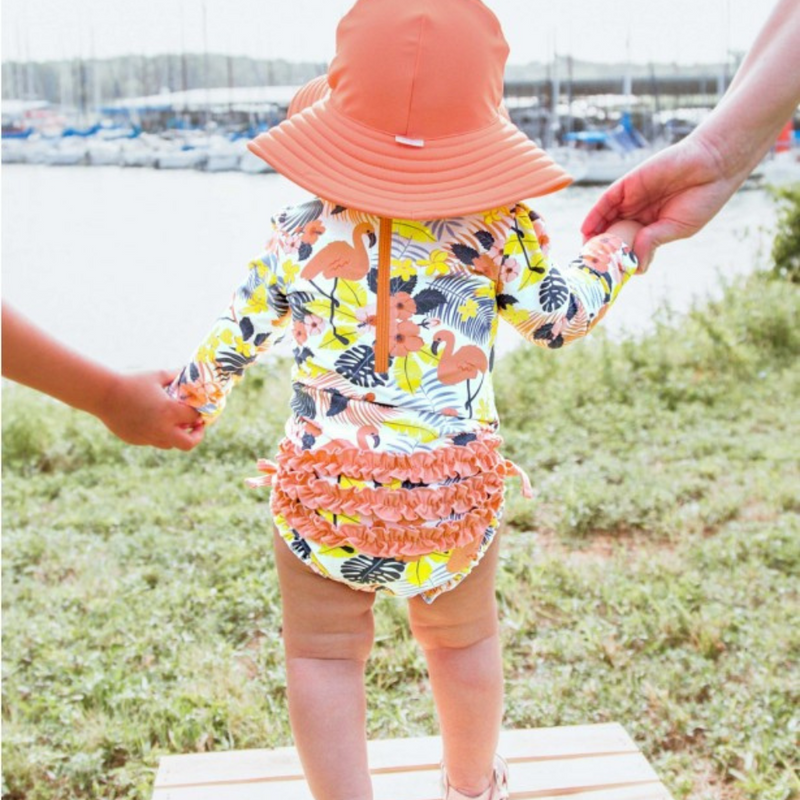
(314, 324)
(509, 270)
(300, 332)
(312, 231)
(402, 305)
(366, 316)
(404, 338)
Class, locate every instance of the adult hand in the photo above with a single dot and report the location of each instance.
(673, 195)
(138, 410)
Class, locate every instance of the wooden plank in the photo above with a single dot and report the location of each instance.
(528, 779)
(582, 762)
(393, 754)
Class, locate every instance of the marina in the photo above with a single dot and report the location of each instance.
(131, 266)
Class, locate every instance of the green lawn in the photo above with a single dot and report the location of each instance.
(653, 581)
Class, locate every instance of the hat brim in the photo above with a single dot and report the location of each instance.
(359, 167)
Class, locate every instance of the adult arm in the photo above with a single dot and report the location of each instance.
(133, 407)
(678, 191)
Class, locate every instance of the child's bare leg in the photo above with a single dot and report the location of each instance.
(459, 635)
(327, 633)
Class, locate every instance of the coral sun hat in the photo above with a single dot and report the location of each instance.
(410, 122)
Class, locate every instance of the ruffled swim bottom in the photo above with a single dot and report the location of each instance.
(404, 524)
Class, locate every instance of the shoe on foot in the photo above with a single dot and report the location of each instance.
(498, 790)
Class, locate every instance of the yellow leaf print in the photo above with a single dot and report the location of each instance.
(533, 274)
(243, 347)
(414, 230)
(484, 412)
(318, 565)
(351, 483)
(408, 373)
(257, 303)
(428, 356)
(322, 308)
(290, 271)
(336, 552)
(351, 292)
(468, 310)
(345, 314)
(416, 430)
(436, 264)
(417, 572)
(332, 342)
(347, 519)
(404, 269)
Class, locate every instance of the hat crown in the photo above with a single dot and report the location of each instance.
(419, 69)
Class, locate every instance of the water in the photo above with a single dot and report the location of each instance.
(131, 267)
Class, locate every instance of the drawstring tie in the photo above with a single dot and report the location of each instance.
(527, 489)
(269, 478)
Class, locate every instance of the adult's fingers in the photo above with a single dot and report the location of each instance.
(605, 211)
(648, 239)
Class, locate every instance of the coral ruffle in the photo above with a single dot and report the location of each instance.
(391, 505)
(385, 540)
(332, 459)
(395, 519)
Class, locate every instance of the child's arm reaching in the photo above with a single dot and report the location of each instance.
(552, 306)
(255, 320)
(133, 407)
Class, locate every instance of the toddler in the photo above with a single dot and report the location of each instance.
(392, 279)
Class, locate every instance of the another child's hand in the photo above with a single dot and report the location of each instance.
(139, 411)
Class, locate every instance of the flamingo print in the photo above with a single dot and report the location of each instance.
(341, 260)
(459, 365)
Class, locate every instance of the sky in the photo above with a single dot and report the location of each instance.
(682, 31)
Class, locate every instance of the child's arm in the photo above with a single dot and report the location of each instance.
(133, 407)
(255, 320)
(552, 306)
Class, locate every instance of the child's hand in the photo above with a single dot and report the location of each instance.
(627, 230)
(139, 411)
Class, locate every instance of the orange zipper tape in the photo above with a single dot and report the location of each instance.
(382, 312)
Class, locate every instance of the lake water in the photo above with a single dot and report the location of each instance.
(132, 266)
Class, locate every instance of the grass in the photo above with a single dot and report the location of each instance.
(653, 581)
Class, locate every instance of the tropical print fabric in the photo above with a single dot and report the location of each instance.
(392, 480)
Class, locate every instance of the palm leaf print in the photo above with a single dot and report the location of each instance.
(367, 569)
(302, 403)
(432, 397)
(295, 217)
(232, 363)
(358, 366)
(459, 290)
(442, 228)
(297, 302)
(553, 291)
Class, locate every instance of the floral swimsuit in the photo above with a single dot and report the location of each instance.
(389, 477)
